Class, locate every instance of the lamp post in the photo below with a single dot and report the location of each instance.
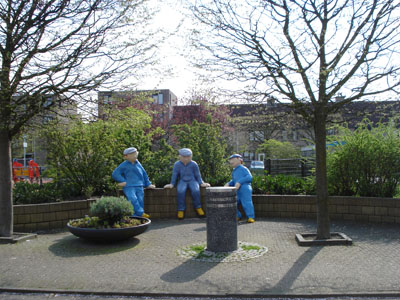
(25, 144)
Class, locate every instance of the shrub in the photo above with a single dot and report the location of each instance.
(26, 193)
(366, 162)
(209, 149)
(111, 209)
(283, 185)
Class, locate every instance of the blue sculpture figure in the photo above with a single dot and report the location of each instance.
(241, 180)
(132, 177)
(186, 174)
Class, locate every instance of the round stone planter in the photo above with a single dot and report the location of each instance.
(110, 234)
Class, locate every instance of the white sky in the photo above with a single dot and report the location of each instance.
(179, 78)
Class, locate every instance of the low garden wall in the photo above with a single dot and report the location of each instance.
(161, 203)
(46, 216)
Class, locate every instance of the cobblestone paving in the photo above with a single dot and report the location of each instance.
(150, 264)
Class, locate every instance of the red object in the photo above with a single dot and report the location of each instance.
(16, 165)
(33, 169)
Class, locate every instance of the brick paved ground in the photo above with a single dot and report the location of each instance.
(149, 264)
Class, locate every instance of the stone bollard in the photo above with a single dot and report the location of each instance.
(221, 219)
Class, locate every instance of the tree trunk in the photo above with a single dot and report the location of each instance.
(323, 222)
(6, 207)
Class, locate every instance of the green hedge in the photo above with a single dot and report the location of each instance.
(283, 185)
(26, 193)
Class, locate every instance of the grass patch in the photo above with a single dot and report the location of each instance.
(250, 247)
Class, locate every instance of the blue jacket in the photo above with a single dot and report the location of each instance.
(242, 175)
(133, 174)
(186, 173)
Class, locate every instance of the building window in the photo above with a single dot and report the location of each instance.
(257, 136)
(48, 102)
(294, 135)
(47, 119)
(158, 98)
(107, 99)
(284, 135)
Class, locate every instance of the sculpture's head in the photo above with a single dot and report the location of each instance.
(235, 160)
(131, 154)
(185, 155)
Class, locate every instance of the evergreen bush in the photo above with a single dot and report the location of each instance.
(283, 185)
(26, 193)
(366, 162)
(111, 209)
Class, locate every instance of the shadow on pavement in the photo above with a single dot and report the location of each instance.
(188, 271)
(71, 246)
(284, 285)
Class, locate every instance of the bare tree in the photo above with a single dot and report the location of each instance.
(306, 52)
(62, 48)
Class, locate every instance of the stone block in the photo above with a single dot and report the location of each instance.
(155, 215)
(30, 227)
(18, 209)
(50, 216)
(342, 209)
(336, 216)
(354, 209)
(62, 215)
(54, 207)
(387, 219)
(376, 219)
(56, 224)
(362, 218)
(332, 208)
(381, 211)
(36, 218)
(22, 219)
(30, 209)
(74, 214)
(19, 227)
(43, 208)
(349, 217)
(286, 214)
(81, 204)
(43, 226)
(305, 208)
(367, 210)
(299, 214)
(292, 207)
(68, 205)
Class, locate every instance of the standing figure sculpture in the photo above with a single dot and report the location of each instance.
(186, 174)
(241, 180)
(34, 173)
(132, 177)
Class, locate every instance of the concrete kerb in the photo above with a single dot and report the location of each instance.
(61, 263)
(201, 296)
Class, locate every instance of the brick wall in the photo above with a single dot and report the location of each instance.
(161, 203)
(37, 217)
(366, 209)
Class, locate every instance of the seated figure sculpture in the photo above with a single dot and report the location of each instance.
(186, 174)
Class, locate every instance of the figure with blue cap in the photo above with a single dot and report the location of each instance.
(186, 175)
(241, 180)
(132, 177)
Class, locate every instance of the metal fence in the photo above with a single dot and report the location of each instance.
(297, 167)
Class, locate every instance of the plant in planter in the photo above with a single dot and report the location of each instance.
(110, 220)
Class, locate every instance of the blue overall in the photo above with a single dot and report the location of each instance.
(187, 177)
(242, 175)
(136, 178)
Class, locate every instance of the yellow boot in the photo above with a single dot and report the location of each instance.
(181, 214)
(200, 212)
(250, 220)
(144, 215)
